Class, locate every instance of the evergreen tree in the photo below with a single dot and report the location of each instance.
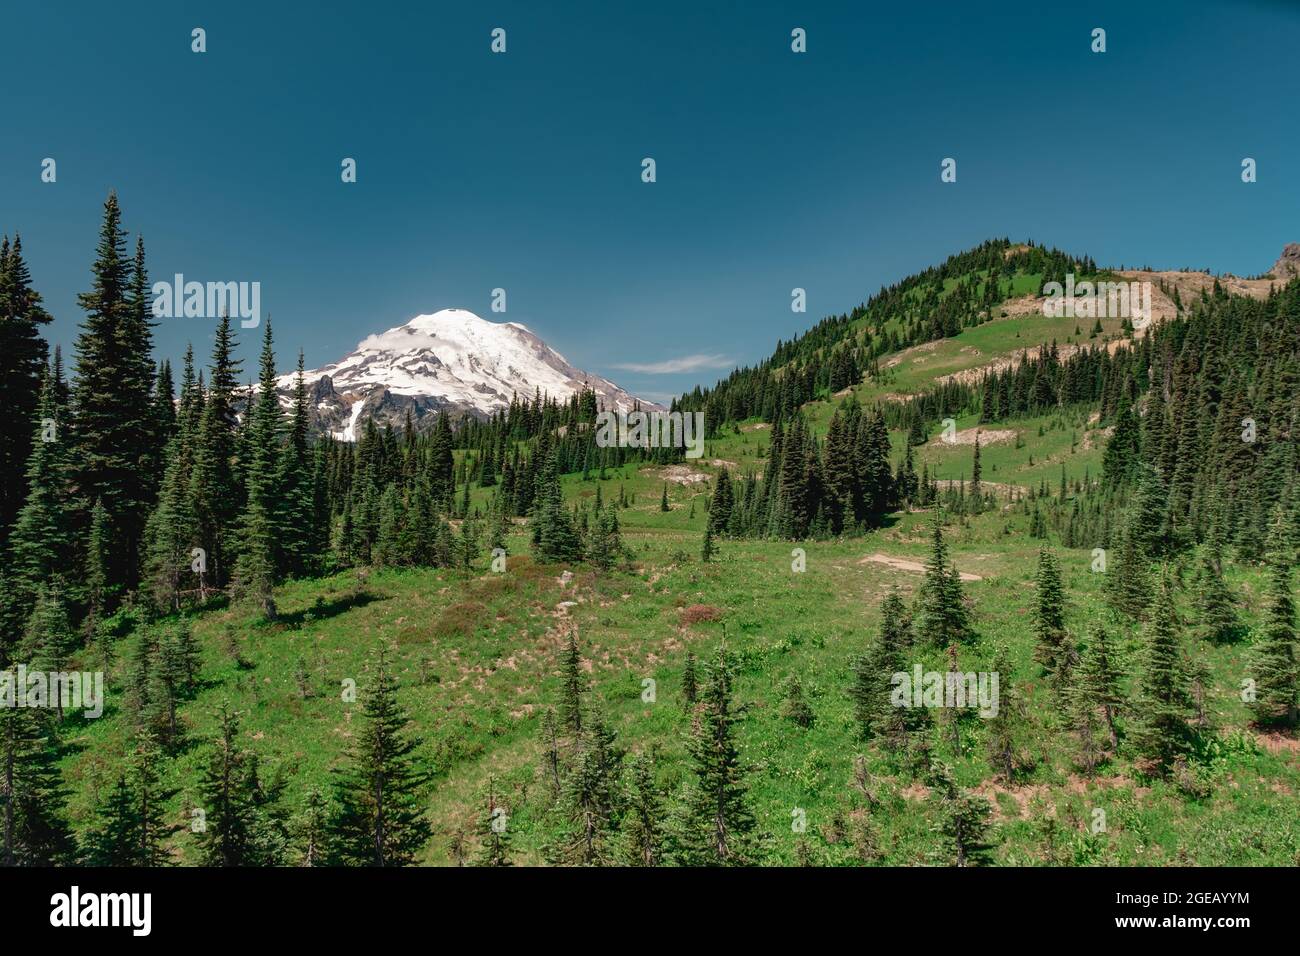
(873, 671)
(554, 537)
(590, 799)
(98, 569)
(39, 545)
(1096, 684)
(240, 815)
(690, 689)
(721, 505)
(1127, 582)
(642, 830)
(131, 827)
(1049, 613)
(216, 490)
(312, 830)
(112, 421)
(260, 523)
(299, 537)
(721, 830)
(381, 821)
(32, 796)
(22, 369)
(963, 827)
(572, 686)
(1216, 612)
(1160, 732)
(1006, 727)
(49, 638)
(1273, 665)
(940, 615)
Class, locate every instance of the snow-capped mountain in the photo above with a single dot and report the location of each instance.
(451, 361)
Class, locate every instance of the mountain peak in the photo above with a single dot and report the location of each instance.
(447, 362)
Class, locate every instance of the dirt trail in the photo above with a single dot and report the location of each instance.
(903, 564)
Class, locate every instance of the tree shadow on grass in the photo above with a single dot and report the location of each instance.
(323, 609)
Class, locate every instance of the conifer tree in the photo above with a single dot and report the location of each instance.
(112, 422)
(22, 369)
(259, 527)
(721, 830)
(554, 537)
(1273, 665)
(114, 837)
(690, 689)
(1049, 613)
(1006, 727)
(1096, 685)
(1216, 612)
(963, 826)
(32, 797)
(298, 545)
(706, 548)
(1160, 732)
(572, 686)
(131, 826)
(312, 830)
(1128, 580)
(721, 505)
(40, 542)
(240, 814)
(98, 570)
(643, 823)
(874, 670)
(940, 615)
(381, 820)
(590, 799)
(49, 639)
(216, 490)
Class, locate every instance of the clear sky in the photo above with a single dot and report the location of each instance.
(523, 170)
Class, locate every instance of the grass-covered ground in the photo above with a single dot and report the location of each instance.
(478, 654)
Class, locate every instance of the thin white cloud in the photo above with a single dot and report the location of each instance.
(687, 363)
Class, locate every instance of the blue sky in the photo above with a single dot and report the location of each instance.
(522, 170)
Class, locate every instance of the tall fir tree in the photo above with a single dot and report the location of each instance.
(1162, 705)
(216, 490)
(255, 569)
(1273, 665)
(22, 368)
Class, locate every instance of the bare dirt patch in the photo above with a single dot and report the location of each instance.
(681, 475)
(1276, 743)
(987, 436)
(699, 612)
(903, 564)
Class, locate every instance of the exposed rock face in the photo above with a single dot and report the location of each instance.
(1287, 266)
